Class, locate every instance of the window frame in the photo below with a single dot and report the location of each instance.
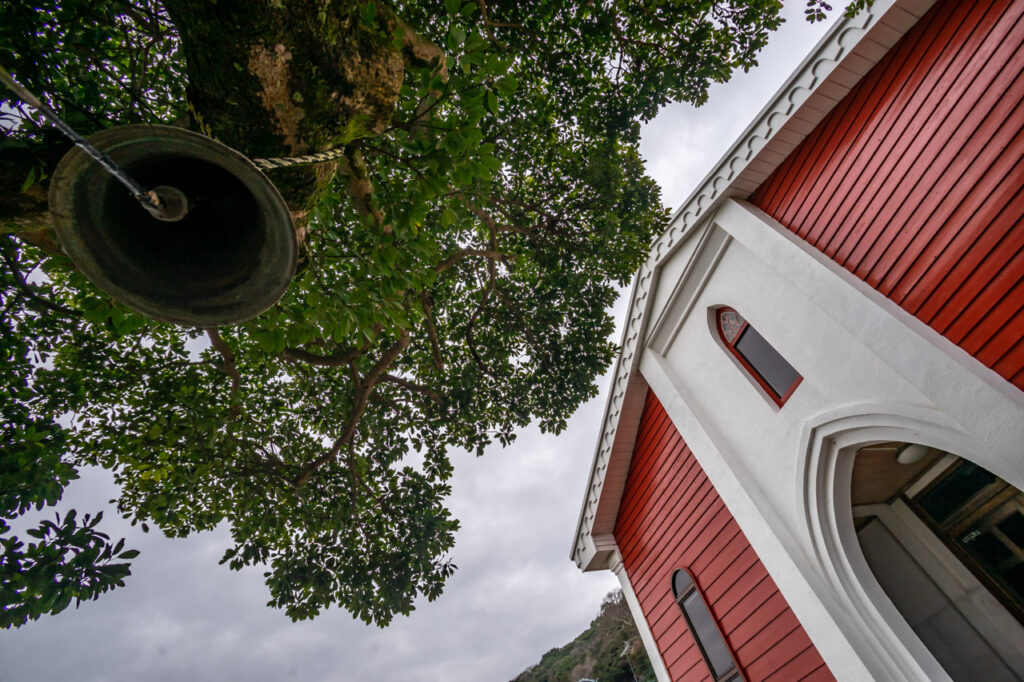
(730, 675)
(752, 371)
(983, 505)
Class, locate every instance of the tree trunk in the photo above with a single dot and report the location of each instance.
(272, 79)
(24, 212)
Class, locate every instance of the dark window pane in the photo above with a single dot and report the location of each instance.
(960, 486)
(772, 367)
(1015, 579)
(707, 634)
(1013, 528)
(989, 549)
(681, 582)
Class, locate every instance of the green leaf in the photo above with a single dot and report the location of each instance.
(457, 35)
(369, 13)
(447, 217)
(496, 65)
(29, 180)
(507, 85)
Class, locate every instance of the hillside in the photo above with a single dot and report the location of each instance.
(608, 651)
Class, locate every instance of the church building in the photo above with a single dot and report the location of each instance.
(812, 457)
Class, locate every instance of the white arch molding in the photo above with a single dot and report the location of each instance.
(863, 611)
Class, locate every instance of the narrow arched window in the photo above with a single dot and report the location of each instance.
(764, 364)
(712, 645)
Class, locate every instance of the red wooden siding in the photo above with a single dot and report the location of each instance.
(914, 181)
(671, 517)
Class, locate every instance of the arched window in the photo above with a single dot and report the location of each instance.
(771, 371)
(712, 645)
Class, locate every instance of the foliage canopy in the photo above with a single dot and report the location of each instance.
(457, 265)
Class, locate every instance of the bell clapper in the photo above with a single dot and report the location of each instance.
(166, 203)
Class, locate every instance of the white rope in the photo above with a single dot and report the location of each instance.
(285, 162)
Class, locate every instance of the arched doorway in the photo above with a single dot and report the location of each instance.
(944, 539)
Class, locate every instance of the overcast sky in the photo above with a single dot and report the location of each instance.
(516, 593)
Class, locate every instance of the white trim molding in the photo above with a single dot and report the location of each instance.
(616, 566)
(869, 620)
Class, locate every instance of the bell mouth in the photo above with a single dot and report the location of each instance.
(227, 258)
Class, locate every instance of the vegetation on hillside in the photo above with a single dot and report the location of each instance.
(609, 650)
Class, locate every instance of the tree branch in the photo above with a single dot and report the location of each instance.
(30, 292)
(517, 229)
(229, 368)
(333, 360)
(462, 254)
(420, 50)
(358, 407)
(492, 285)
(495, 24)
(517, 311)
(413, 386)
(360, 189)
(428, 320)
(526, 206)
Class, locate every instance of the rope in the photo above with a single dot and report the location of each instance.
(285, 162)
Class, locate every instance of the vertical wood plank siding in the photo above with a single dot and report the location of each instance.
(671, 517)
(914, 181)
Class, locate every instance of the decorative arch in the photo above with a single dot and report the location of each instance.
(862, 609)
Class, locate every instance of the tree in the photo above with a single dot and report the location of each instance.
(457, 262)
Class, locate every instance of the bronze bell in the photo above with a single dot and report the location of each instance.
(222, 250)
